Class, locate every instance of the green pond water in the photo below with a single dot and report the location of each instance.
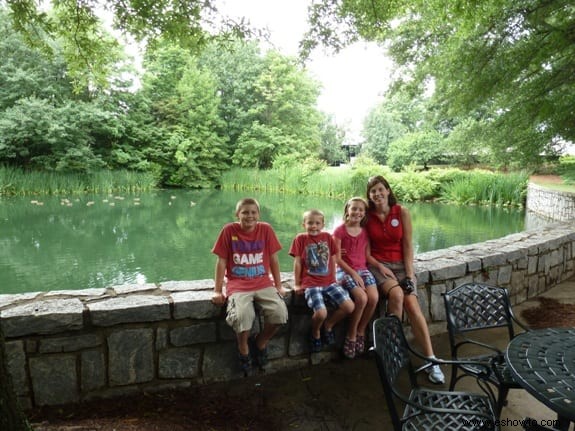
(79, 242)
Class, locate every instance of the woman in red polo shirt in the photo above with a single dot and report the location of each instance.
(391, 262)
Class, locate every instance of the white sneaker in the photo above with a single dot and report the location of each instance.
(435, 375)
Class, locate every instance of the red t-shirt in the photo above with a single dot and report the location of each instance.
(385, 237)
(248, 256)
(317, 257)
(352, 247)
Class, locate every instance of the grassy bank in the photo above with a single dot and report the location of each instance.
(18, 182)
(451, 185)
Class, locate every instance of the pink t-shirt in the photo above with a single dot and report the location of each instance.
(353, 247)
(316, 253)
(248, 256)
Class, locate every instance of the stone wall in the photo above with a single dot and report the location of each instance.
(555, 205)
(69, 346)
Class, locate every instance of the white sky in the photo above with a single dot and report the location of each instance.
(353, 80)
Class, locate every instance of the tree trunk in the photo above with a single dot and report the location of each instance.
(12, 417)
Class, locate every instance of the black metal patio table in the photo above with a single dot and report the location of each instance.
(543, 362)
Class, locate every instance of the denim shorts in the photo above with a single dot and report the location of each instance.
(349, 283)
(334, 294)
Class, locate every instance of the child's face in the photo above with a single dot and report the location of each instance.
(355, 211)
(248, 216)
(313, 224)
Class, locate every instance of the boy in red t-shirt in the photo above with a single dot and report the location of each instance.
(247, 255)
(314, 255)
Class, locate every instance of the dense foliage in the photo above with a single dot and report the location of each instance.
(500, 71)
(449, 185)
(194, 115)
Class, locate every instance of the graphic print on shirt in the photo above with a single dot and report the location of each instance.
(248, 258)
(317, 258)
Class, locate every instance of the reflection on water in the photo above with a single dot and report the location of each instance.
(84, 242)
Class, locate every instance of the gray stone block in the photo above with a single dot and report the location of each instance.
(69, 344)
(42, 317)
(129, 309)
(195, 305)
(131, 356)
(188, 285)
(93, 370)
(220, 362)
(194, 334)
(134, 288)
(16, 362)
(54, 379)
(179, 363)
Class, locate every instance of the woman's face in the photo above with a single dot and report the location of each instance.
(379, 194)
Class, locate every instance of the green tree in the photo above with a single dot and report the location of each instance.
(285, 108)
(185, 149)
(400, 112)
(236, 70)
(422, 148)
(332, 139)
(87, 46)
(36, 134)
(510, 60)
(380, 129)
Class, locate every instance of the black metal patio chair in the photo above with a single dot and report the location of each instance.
(474, 312)
(417, 408)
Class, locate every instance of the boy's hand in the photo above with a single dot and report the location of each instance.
(281, 291)
(218, 299)
(298, 290)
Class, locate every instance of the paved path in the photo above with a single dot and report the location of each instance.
(346, 395)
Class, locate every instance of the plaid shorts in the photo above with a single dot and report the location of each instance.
(316, 297)
(349, 283)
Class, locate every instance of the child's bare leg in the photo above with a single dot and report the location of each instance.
(317, 320)
(372, 299)
(344, 309)
(242, 338)
(359, 296)
(266, 335)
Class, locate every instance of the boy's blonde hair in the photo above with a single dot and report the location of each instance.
(313, 212)
(247, 201)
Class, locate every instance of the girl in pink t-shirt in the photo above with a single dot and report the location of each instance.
(352, 273)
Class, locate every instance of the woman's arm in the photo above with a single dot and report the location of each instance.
(373, 261)
(407, 243)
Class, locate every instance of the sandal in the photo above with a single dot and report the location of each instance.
(349, 347)
(359, 345)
